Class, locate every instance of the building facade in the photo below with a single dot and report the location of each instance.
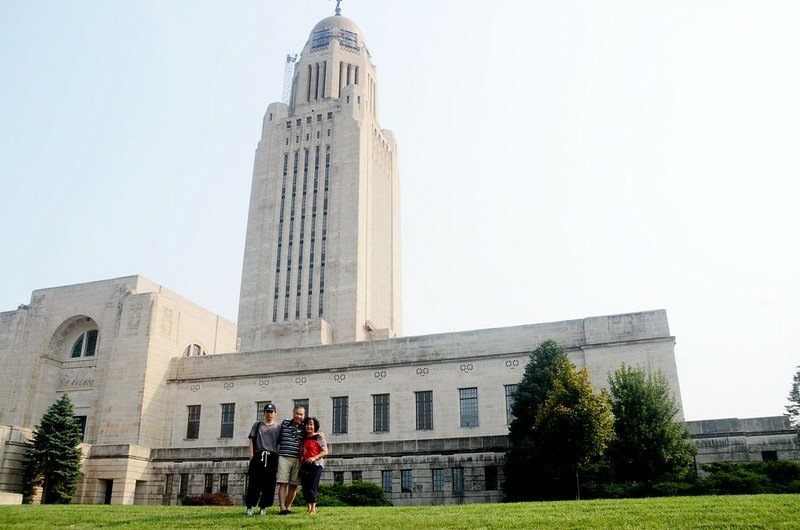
(167, 392)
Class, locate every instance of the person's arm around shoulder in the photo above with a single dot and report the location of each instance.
(323, 451)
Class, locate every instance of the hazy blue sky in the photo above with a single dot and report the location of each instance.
(558, 160)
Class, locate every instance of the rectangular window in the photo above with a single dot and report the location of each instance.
(183, 490)
(302, 403)
(226, 423)
(260, 409)
(355, 476)
(437, 476)
(338, 477)
(386, 480)
(208, 484)
(769, 456)
(223, 483)
(406, 481)
(340, 415)
(424, 410)
(458, 481)
(469, 406)
(192, 422)
(510, 389)
(167, 488)
(380, 412)
(81, 421)
(490, 478)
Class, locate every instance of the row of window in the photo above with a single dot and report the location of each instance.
(381, 412)
(311, 258)
(308, 120)
(387, 481)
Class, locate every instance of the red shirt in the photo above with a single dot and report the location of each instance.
(311, 447)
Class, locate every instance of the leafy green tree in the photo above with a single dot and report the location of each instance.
(523, 460)
(573, 425)
(650, 445)
(793, 408)
(53, 458)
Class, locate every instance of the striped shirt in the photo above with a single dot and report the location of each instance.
(291, 438)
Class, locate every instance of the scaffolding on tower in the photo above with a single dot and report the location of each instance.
(288, 73)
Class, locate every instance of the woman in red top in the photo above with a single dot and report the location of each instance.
(311, 464)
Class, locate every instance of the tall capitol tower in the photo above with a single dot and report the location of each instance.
(322, 251)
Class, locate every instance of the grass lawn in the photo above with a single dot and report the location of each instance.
(740, 511)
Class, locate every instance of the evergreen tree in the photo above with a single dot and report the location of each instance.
(650, 444)
(523, 459)
(53, 458)
(573, 426)
(793, 408)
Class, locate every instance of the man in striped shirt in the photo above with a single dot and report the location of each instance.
(291, 438)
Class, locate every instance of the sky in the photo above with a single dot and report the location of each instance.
(558, 160)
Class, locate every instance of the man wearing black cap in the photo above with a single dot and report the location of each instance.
(263, 452)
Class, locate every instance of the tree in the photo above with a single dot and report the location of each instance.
(573, 425)
(522, 459)
(649, 445)
(53, 458)
(793, 408)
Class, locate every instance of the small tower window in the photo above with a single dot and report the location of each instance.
(194, 350)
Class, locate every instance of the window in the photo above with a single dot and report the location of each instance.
(193, 422)
(288, 125)
(184, 487)
(769, 456)
(194, 350)
(469, 406)
(302, 403)
(338, 477)
(355, 476)
(81, 421)
(308, 119)
(167, 487)
(319, 117)
(85, 345)
(330, 115)
(299, 121)
(340, 415)
(380, 412)
(260, 409)
(386, 480)
(226, 424)
(510, 389)
(437, 476)
(424, 410)
(458, 481)
(208, 484)
(406, 481)
(490, 478)
(223, 483)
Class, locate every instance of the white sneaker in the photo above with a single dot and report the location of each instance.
(263, 511)
(249, 511)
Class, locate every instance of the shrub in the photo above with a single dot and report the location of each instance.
(208, 499)
(751, 477)
(359, 493)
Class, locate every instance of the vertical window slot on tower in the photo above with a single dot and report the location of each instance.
(308, 85)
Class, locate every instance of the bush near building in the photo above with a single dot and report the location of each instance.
(359, 493)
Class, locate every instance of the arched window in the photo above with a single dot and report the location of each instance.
(85, 345)
(194, 350)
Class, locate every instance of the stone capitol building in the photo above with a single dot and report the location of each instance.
(166, 391)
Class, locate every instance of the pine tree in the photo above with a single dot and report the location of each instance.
(53, 458)
(650, 444)
(793, 408)
(523, 459)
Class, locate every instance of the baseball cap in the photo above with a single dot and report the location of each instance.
(269, 407)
